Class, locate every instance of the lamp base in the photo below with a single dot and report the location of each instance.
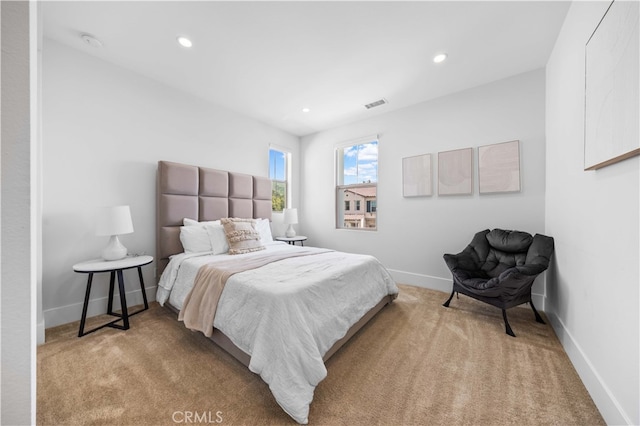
(114, 250)
(290, 233)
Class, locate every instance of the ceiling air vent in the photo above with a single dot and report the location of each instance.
(376, 103)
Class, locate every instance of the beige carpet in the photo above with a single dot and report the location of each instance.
(415, 363)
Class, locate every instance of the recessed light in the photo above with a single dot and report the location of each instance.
(305, 110)
(439, 58)
(184, 42)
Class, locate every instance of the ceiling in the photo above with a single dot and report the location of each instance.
(269, 60)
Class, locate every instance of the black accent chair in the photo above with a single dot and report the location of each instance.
(498, 267)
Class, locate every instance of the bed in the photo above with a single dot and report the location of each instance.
(285, 315)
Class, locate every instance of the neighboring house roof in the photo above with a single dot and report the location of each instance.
(359, 216)
(368, 191)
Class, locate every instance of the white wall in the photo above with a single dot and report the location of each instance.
(414, 233)
(593, 285)
(104, 130)
(17, 195)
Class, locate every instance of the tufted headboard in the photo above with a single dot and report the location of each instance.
(203, 194)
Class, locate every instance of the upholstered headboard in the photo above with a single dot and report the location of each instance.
(203, 194)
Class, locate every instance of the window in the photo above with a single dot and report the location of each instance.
(278, 173)
(357, 181)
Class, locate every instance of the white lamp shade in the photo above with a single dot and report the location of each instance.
(290, 216)
(114, 221)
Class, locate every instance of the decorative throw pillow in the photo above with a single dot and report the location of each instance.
(241, 235)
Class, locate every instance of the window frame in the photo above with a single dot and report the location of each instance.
(286, 181)
(340, 187)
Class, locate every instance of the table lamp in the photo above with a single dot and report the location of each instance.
(114, 221)
(290, 218)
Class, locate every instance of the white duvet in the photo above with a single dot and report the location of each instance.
(287, 315)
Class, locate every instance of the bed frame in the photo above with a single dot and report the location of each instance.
(207, 194)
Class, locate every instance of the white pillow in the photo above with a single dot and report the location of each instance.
(194, 239)
(217, 238)
(263, 226)
(190, 222)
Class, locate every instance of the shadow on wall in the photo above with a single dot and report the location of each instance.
(552, 292)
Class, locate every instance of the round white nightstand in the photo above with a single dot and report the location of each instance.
(115, 267)
(293, 240)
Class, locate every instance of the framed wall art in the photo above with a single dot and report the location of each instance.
(455, 172)
(612, 89)
(499, 167)
(416, 176)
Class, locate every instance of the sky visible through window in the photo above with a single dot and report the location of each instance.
(277, 165)
(361, 163)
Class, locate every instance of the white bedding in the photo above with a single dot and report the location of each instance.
(287, 331)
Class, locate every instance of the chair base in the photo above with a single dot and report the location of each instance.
(507, 327)
(506, 324)
(446, 304)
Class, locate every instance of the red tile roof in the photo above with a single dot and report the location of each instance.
(367, 191)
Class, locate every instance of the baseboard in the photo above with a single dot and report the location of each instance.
(70, 313)
(421, 280)
(538, 301)
(607, 404)
(445, 285)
